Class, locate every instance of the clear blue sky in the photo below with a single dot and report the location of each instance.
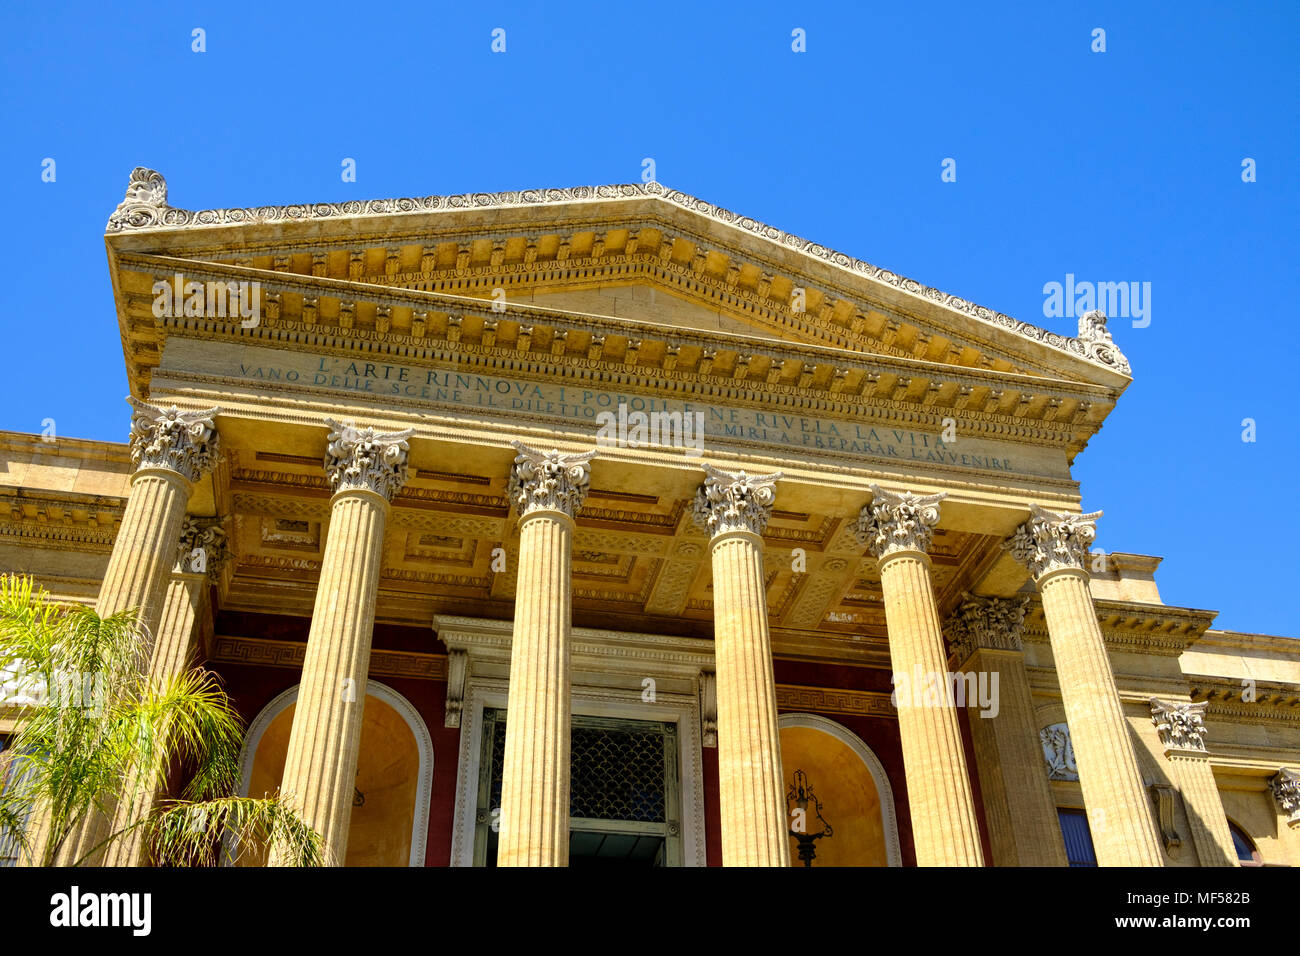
(1115, 166)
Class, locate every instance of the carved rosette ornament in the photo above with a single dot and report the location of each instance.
(728, 502)
(987, 622)
(1181, 725)
(168, 438)
(145, 203)
(364, 459)
(1049, 541)
(1285, 785)
(548, 481)
(897, 521)
(202, 548)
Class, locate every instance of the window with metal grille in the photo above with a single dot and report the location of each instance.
(623, 791)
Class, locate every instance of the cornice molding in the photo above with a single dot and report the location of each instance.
(146, 207)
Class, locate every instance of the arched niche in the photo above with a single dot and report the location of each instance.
(854, 789)
(394, 774)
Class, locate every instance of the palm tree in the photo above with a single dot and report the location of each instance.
(90, 724)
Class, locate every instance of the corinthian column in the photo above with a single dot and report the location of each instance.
(734, 510)
(1181, 726)
(186, 614)
(897, 530)
(1054, 547)
(547, 491)
(1018, 805)
(171, 450)
(365, 469)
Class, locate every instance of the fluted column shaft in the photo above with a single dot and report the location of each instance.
(367, 469)
(897, 529)
(142, 558)
(1181, 726)
(1019, 809)
(547, 490)
(1018, 804)
(145, 548)
(535, 771)
(186, 612)
(171, 450)
(751, 778)
(945, 829)
(320, 768)
(1055, 547)
(735, 508)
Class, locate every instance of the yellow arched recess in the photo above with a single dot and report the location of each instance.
(388, 770)
(864, 830)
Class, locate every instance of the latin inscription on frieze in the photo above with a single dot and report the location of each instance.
(495, 396)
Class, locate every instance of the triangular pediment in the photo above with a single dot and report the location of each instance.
(562, 244)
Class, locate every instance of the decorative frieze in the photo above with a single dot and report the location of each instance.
(986, 622)
(168, 438)
(1285, 785)
(548, 481)
(728, 502)
(1049, 541)
(897, 521)
(1181, 725)
(364, 459)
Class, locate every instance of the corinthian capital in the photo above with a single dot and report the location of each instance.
(363, 459)
(987, 622)
(1285, 785)
(548, 481)
(897, 521)
(1051, 542)
(734, 501)
(1181, 725)
(202, 548)
(168, 438)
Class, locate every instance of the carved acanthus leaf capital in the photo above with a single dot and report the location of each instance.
(1285, 785)
(145, 203)
(1049, 541)
(548, 481)
(736, 501)
(897, 521)
(168, 438)
(987, 622)
(1181, 725)
(202, 548)
(364, 459)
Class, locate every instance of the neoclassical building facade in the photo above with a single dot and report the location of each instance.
(604, 526)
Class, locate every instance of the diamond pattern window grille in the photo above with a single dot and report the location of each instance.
(617, 774)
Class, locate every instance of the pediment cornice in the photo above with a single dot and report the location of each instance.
(343, 315)
(690, 227)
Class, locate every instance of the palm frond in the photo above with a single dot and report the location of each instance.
(189, 833)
